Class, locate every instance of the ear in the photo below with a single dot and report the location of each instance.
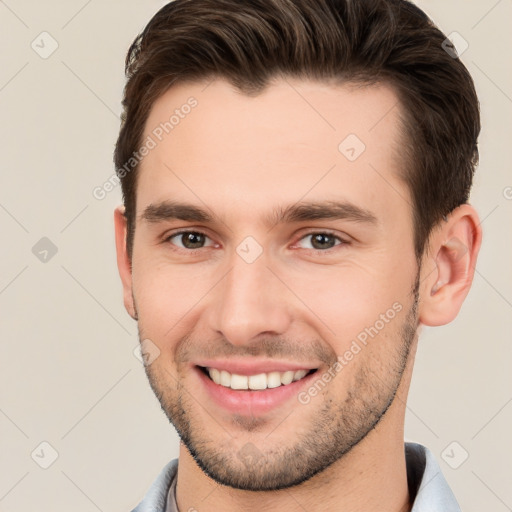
(448, 266)
(123, 261)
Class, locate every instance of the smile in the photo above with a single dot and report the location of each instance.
(259, 381)
(247, 389)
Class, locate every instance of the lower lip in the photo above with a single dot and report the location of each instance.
(248, 402)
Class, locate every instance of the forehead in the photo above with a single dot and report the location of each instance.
(214, 145)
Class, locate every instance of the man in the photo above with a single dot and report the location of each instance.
(295, 178)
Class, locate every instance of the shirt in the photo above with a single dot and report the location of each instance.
(426, 482)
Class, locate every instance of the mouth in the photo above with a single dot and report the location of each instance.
(252, 386)
(257, 382)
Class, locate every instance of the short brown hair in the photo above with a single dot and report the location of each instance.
(356, 41)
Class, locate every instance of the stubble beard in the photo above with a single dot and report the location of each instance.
(331, 433)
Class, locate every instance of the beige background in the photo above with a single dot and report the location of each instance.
(68, 374)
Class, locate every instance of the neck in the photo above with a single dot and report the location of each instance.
(371, 477)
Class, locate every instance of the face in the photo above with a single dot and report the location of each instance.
(273, 273)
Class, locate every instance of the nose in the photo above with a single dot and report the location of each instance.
(250, 301)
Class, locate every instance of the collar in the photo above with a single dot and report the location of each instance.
(425, 479)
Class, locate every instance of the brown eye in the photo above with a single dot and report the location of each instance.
(322, 241)
(188, 239)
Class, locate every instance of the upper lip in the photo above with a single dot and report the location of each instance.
(254, 366)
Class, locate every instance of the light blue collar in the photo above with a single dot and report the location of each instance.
(424, 475)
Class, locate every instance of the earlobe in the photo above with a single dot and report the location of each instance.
(123, 260)
(449, 272)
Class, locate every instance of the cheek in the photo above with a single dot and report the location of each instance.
(166, 296)
(353, 303)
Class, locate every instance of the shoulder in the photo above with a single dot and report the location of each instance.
(155, 499)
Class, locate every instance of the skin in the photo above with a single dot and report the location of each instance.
(241, 157)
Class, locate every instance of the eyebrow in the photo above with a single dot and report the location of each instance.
(298, 212)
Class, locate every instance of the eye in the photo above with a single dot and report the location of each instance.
(189, 240)
(322, 241)
(193, 240)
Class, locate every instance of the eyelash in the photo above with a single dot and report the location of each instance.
(198, 232)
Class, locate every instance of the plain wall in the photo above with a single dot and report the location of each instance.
(68, 373)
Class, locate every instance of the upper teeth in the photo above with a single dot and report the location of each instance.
(260, 381)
